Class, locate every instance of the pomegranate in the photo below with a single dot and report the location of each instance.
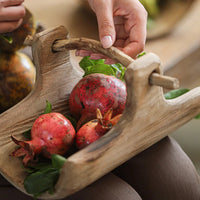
(51, 133)
(96, 91)
(94, 129)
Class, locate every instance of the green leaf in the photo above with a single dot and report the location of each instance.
(57, 161)
(42, 165)
(86, 62)
(7, 38)
(198, 116)
(99, 68)
(45, 173)
(38, 166)
(27, 134)
(48, 108)
(41, 181)
(141, 54)
(119, 70)
(175, 93)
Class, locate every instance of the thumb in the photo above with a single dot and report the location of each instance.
(106, 26)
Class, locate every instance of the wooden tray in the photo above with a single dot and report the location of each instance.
(147, 118)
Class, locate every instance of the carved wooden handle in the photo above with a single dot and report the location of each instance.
(113, 53)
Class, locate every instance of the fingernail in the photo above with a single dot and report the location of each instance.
(107, 41)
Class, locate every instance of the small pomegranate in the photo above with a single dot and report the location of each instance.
(51, 133)
(94, 129)
(97, 91)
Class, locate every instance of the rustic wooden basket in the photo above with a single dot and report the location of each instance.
(147, 118)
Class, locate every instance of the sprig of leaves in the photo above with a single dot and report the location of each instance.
(43, 176)
(176, 93)
(48, 108)
(141, 54)
(91, 66)
(7, 38)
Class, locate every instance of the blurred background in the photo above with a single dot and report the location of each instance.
(189, 138)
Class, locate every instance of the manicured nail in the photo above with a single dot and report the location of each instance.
(107, 41)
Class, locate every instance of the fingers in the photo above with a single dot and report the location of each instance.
(104, 14)
(11, 15)
(9, 26)
(6, 3)
(136, 42)
(120, 31)
(135, 25)
(122, 23)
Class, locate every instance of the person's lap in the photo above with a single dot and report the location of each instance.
(163, 171)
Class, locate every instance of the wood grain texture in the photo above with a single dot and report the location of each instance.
(147, 118)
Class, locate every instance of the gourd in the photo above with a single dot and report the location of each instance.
(17, 72)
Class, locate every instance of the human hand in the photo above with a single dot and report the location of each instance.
(121, 23)
(11, 15)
